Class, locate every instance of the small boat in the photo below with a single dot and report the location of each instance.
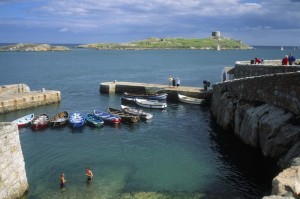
(76, 120)
(24, 121)
(156, 96)
(125, 117)
(142, 114)
(93, 120)
(190, 100)
(108, 117)
(127, 100)
(281, 48)
(40, 122)
(60, 119)
(151, 103)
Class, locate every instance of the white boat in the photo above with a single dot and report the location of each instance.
(24, 121)
(142, 114)
(151, 103)
(218, 47)
(190, 100)
(281, 48)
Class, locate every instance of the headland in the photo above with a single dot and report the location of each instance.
(32, 48)
(214, 42)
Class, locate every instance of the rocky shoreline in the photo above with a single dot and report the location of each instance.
(32, 48)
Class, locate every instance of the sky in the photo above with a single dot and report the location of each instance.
(255, 22)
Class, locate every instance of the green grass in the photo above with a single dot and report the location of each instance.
(174, 43)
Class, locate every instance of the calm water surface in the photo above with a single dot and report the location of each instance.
(180, 150)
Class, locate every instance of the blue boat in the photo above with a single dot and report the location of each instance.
(108, 117)
(93, 120)
(76, 120)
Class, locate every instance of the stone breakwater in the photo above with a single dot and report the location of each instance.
(18, 96)
(13, 180)
(264, 112)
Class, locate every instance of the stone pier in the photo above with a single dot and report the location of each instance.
(144, 88)
(13, 179)
(18, 96)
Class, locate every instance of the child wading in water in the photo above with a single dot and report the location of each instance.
(62, 181)
(89, 175)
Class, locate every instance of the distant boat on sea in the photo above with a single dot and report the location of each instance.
(281, 48)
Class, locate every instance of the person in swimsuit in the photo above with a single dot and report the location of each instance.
(62, 181)
(89, 174)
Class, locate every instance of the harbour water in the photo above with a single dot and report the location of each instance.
(181, 150)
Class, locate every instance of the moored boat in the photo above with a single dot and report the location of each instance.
(156, 96)
(142, 114)
(125, 117)
(24, 121)
(107, 117)
(40, 122)
(76, 120)
(190, 100)
(93, 120)
(151, 103)
(127, 100)
(60, 119)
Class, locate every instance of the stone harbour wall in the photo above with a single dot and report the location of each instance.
(19, 96)
(13, 179)
(264, 112)
(245, 69)
(14, 88)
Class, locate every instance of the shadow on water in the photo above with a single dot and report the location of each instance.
(241, 164)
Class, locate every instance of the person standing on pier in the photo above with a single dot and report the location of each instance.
(170, 81)
(178, 82)
(173, 82)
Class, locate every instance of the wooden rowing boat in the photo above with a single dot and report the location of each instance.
(108, 118)
(40, 122)
(151, 103)
(190, 100)
(24, 121)
(125, 117)
(142, 114)
(76, 120)
(60, 119)
(93, 120)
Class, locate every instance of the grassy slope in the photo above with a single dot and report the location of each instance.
(174, 43)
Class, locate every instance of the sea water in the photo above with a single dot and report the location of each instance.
(181, 149)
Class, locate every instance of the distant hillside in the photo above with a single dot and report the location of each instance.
(32, 47)
(210, 43)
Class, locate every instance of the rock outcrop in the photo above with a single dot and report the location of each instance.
(265, 115)
(33, 47)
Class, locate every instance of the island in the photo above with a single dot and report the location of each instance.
(32, 47)
(214, 42)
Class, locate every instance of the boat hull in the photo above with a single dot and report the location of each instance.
(24, 121)
(108, 118)
(190, 100)
(40, 122)
(153, 104)
(93, 120)
(76, 120)
(59, 120)
(125, 117)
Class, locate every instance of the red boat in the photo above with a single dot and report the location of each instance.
(40, 122)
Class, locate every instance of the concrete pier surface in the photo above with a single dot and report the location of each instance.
(18, 96)
(144, 88)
